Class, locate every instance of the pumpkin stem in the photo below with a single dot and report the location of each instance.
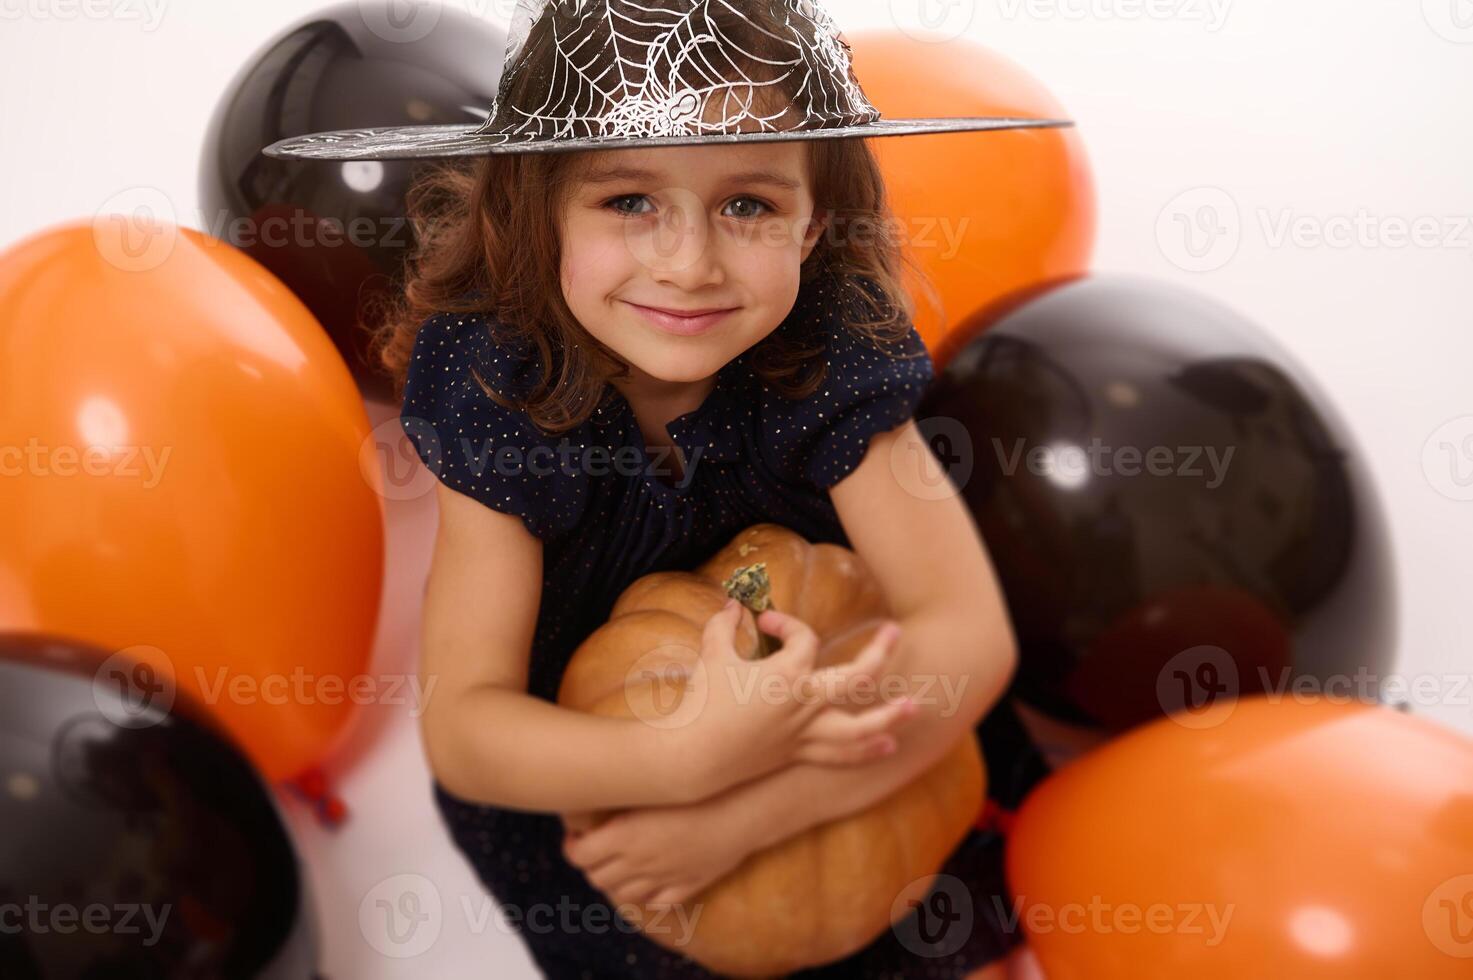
(750, 586)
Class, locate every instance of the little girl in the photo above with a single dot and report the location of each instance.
(637, 324)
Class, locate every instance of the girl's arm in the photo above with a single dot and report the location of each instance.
(955, 656)
(969, 673)
(956, 653)
(489, 741)
(669, 854)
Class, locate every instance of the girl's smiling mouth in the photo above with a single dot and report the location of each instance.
(678, 323)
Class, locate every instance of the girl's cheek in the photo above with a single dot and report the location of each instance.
(581, 262)
(591, 250)
(774, 236)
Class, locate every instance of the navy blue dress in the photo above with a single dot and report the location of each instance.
(608, 512)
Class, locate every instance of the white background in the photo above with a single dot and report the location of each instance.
(1315, 110)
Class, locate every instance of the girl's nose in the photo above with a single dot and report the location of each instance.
(682, 251)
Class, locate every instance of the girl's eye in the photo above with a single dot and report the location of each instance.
(752, 200)
(613, 204)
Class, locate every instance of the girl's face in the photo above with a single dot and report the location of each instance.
(687, 228)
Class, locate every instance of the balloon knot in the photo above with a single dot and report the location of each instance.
(994, 817)
(312, 787)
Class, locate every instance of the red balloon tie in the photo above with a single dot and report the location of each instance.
(995, 817)
(312, 786)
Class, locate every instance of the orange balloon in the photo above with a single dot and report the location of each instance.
(985, 214)
(1258, 838)
(181, 485)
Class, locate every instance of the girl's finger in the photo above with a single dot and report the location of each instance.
(798, 637)
(590, 851)
(610, 875)
(849, 753)
(668, 896)
(719, 634)
(866, 663)
(839, 727)
(636, 891)
(782, 625)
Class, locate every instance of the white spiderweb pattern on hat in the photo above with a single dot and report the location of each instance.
(621, 69)
(590, 74)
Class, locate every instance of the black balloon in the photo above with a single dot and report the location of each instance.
(335, 232)
(137, 842)
(1174, 511)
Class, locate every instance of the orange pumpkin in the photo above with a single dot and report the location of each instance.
(830, 891)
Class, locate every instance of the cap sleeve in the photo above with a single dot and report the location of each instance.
(868, 389)
(472, 444)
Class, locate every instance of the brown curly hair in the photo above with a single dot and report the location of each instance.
(487, 243)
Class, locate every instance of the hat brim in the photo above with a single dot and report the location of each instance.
(416, 142)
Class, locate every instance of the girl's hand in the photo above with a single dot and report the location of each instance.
(658, 855)
(749, 717)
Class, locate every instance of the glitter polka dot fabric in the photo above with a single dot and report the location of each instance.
(474, 445)
(609, 511)
(820, 439)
